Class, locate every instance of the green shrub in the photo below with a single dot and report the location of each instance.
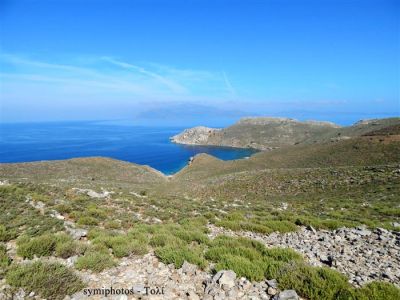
(96, 258)
(280, 226)
(4, 236)
(164, 239)
(49, 280)
(191, 236)
(69, 248)
(283, 254)
(112, 225)
(96, 213)
(249, 226)
(177, 255)
(5, 261)
(40, 246)
(122, 246)
(45, 245)
(87, 220)
(242, 266)
(232, 225)
(63, 208)
(249, 258)
(378, 290)
(271, 267)
(219, 252)
(314, 283)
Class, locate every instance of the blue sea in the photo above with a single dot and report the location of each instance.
(27, 142)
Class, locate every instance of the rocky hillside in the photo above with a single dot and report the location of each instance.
(269, 133)
(308, 221)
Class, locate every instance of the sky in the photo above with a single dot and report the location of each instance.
(109, 60)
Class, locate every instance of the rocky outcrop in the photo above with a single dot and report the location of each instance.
(267, 133)
(194, 136)
(262, 133)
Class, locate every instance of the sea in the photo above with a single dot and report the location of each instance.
(145, 145)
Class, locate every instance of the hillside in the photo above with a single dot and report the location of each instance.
(312, 220)
(91, 172)
(269, 133)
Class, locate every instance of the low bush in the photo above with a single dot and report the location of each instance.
(378, 290)
(39, 246)
(4, 236)
(69, 248)
(112, 224)
(242, 266)
(96, 258)
(121, 244)
(124, 246)
(177, 255)
(164, 239)
(49, 280)
(5, 261)
(314, 283)
(249, 258)
(60, 244)
(87, 220)
(63, 208)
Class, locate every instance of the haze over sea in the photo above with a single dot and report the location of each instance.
(27, 142)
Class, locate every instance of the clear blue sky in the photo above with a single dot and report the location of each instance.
(71, 60)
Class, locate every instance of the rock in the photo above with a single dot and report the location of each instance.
(272, 291)
(192, 296)
(395, 224)
(312, 229)
(287, 295)
(225, 277)
(71, 260)
(188, 268)
(77, 233)
(272, 283)
(196, 135)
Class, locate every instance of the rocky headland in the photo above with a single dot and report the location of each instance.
(268, 133)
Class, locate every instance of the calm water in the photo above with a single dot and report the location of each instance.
(143, 145)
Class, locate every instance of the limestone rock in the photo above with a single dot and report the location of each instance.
(287, 295)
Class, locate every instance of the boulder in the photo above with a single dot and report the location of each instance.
(287, 295)
(226, 278)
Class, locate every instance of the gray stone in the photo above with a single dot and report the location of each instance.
(192, 296)
(77, 234)
(287, 295)
(272, 283)
(272, 291)
(188, 268)
(139, 289)
(71, 260)
(225, 277)
(312, 229)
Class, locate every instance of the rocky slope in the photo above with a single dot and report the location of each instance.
(311, 221)
(265, 133)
